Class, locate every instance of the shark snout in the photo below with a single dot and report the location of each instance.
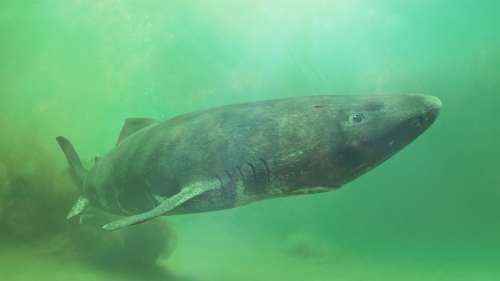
(431, 107)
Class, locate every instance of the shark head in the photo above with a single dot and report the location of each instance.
(357, 133)
(375, 128)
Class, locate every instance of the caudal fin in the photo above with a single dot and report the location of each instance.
(77, 170)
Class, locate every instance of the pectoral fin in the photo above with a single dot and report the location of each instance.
(168, 204)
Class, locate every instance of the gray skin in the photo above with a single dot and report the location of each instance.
(253, 151)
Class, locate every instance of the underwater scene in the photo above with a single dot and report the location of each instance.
(135, 135)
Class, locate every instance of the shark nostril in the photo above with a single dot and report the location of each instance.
(421, 120)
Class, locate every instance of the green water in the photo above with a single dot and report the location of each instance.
(79, 68)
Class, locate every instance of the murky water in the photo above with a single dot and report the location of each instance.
(79, 68)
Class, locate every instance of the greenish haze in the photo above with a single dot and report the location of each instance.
(79, 68)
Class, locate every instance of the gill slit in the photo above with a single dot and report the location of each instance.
(268, 171)
(253, 171)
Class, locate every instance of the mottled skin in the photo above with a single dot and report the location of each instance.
(256, 150)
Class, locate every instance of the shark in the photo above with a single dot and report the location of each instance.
(229, 156)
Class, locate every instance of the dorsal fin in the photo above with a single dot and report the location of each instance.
(133, 125)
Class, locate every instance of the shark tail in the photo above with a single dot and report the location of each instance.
(78, 172)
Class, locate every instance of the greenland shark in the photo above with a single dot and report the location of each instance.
(229, 156)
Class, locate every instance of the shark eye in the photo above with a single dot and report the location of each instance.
(358, 117)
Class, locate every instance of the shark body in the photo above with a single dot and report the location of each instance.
(233, 155)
